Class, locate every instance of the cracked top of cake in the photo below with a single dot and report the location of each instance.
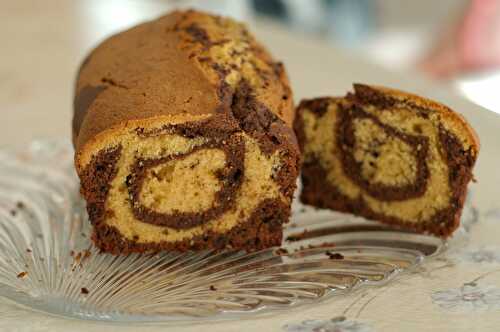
(184, 65)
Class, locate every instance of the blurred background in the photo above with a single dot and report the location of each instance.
(457, 41)
(454, 42)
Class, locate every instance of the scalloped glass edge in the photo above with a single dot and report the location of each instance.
(48, 264)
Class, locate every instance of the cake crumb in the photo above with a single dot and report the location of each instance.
(13, 212)
(20, 205)
(212, 288)
(281, 251)
(297, 237)
(322, 245)
(86, 254)
(84, 290)
(22, 274)
(29, 250)
(334, 255)
(297, 251)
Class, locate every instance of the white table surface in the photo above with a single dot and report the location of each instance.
(42, 43)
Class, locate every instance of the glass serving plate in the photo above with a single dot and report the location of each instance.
(47, 262)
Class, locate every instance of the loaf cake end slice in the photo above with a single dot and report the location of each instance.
(387, 155)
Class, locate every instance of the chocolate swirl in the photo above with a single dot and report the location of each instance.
(346, 138)
(230, 177)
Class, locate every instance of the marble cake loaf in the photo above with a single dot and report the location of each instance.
(387, 155)
(183, 135)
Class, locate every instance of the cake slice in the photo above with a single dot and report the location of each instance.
(387, 155)
(183, 136)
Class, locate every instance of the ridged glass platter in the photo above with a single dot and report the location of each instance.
(47, 262)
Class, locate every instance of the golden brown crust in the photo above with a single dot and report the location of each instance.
(177, 65)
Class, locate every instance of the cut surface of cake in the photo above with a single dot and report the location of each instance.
(183, 135)
(387, 155)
